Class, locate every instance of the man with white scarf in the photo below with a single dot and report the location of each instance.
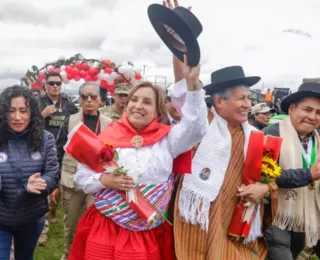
(297, 219)
(206, 199)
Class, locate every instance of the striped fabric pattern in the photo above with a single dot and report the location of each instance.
(192, 243)
(113, 205)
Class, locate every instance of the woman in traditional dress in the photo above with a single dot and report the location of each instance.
(151, 151)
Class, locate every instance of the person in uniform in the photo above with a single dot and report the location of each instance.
(114, 112)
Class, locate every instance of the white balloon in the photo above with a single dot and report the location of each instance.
(100, 76)
(102, 72)
(110, 82)
(63, 74)
(63, 67)
(121, 69)
(107, 77)
(114, 75)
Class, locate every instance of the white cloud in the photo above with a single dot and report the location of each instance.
(276, 39)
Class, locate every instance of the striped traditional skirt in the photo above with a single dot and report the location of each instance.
(111, 230)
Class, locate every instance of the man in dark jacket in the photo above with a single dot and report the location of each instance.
(297, 220)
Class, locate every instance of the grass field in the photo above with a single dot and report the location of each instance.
(54, 249)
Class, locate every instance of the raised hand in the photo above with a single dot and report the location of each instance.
(191, 74)
(171, 6)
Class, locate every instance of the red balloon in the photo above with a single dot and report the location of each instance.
(108, 70)
(82, 73)
(58, 70)
(93, 71)
(77, 78)
(138, 76)
(94, 77)
(87, 78)
(106, 63)
(70, 76)
(75, 71)
(77, 65)
(85, 66)
(42, 75)
(68, 69)
(51, 69)
(35, 85)
(104, 84)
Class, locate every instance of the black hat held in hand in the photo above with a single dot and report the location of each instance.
(179, 29)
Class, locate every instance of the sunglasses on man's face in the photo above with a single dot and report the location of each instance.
(54, 83)
(85, 96)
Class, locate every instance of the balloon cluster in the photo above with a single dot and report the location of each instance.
(104, 73)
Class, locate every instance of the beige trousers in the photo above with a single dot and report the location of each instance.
(74, 203)
(305, 254)
(52, 211)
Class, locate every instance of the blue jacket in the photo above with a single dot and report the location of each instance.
(17, 164)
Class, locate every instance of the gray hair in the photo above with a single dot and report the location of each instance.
(83, 85)
(226, 94)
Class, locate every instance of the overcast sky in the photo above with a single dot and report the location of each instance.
(278, 40)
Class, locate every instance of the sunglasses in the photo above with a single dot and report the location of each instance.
(54, 83)
(85, 96)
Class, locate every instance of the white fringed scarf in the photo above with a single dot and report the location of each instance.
(214, 153)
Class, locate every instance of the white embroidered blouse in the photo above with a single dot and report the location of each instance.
(154, 162)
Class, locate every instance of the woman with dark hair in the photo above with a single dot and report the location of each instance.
(150, 150)
(28, 172)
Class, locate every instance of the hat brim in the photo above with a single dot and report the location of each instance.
(160, 15)
(296, 97)
(221, 86)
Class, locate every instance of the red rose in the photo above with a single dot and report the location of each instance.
(107, 153)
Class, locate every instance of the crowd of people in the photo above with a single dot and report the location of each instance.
(185, 151)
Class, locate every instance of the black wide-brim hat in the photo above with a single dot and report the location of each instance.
(306, 90)
(229, 77)
(179, 29)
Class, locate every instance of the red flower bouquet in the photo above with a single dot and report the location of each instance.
(259, 147)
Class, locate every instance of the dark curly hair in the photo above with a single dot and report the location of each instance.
(36, 127)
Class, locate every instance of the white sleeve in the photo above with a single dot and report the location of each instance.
(88, 180)
(177, 94)
(193, 125)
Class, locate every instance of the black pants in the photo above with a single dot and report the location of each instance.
(283, 244)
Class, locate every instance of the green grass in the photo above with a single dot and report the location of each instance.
(54, 248)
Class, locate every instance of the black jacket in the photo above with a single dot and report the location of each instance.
(64, 108)
(17, 164)
(292, 178)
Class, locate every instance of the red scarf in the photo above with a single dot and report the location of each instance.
(119, 134)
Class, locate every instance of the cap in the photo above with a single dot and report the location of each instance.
(122, 88)
(262, 108)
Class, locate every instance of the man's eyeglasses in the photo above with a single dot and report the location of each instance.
(54, 83)
(85, 96)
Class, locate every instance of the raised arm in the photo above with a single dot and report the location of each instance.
(193, 125)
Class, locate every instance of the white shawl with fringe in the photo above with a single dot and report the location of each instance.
(214, 153)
